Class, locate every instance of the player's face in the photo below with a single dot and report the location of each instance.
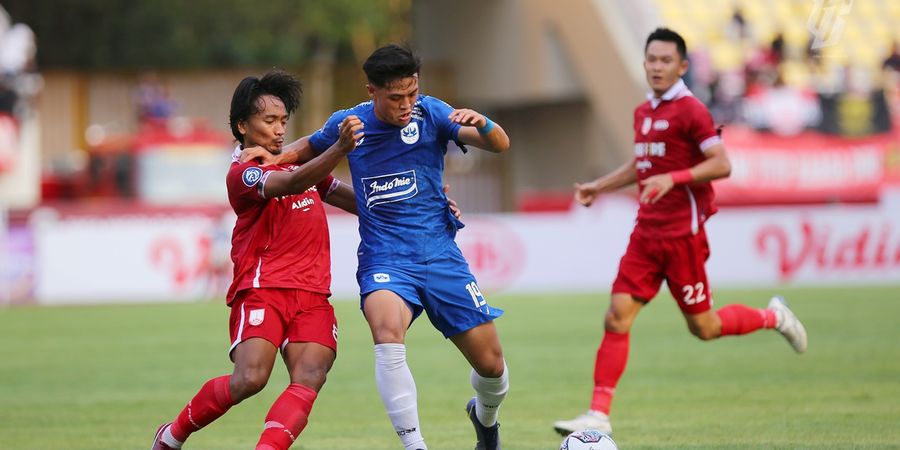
(266, 128)
(394, 102)
(663, 65)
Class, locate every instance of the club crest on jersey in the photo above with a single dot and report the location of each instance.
(410, 133)
(388, 188)
(645, 127)
(256, 317)
(251, 176)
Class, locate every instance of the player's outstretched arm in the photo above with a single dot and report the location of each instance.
(586, 193)
(480, 131)
(715, 166)
(314, 171)
(299, 151)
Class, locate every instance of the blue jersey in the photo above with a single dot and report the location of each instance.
(398, 180)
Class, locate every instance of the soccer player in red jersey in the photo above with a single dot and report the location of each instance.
(282, 269)
(677, 153)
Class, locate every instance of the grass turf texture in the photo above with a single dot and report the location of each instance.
(104, 377)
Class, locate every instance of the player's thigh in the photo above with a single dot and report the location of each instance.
(388, 316)
(308, 363)
(481, 348)
(452, 298)
(686, 273)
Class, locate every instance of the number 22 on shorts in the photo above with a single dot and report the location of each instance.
(693, 294)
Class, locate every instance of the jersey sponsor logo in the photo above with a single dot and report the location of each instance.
(381, 278)
(660, 125)
(388, 188)
(645, 127)
(256, 317)
(304, 204)
(251, 176)
(642, 149)
(410, 133)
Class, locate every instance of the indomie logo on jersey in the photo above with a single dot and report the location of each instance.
(390, 188)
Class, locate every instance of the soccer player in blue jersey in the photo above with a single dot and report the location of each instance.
(408, 260)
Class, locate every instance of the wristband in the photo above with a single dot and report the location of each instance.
(488, 126)
(682, 176)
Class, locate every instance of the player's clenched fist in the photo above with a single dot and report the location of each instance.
(351, 133)
(586, 193)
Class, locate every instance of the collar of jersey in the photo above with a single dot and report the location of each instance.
(679, 89)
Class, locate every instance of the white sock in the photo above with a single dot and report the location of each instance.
(170, 440)
(398, 392)
(489, 393)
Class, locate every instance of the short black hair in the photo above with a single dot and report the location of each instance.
(244, 101)
(667, 35)
(390, 63)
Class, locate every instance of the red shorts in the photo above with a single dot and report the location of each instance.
(680, 261)
(281, 316)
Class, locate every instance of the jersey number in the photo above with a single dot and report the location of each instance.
(693, 294)
(476, 295)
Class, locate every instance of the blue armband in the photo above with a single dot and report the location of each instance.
(488, 126)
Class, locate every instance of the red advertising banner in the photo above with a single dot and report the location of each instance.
(807, 168)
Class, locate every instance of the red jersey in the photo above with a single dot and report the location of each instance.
(671, 133)
(279, 242)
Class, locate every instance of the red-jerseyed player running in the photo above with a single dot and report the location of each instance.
(282, 269)
(677, 153)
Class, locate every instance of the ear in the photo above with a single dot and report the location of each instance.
(371, 90)
(683, 68)
(242, 127)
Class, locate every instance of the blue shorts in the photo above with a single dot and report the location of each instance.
(443, 287)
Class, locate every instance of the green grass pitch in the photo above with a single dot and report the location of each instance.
(104, 377)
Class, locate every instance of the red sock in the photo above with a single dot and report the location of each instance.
(740, 319)
(209, 404)
(287, 417)
(608, 367)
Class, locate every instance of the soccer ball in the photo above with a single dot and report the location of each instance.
(588, 440)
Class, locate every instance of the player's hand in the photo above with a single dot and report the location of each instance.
(264, 156)
(586, 193)
(452, 203)
(468, 118)
(350, 134)
(656, 187)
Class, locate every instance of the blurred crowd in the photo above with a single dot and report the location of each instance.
(19, 81)
(789, 89)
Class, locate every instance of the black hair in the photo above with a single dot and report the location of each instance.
(244, 101)
(390, 63)
(667, 35)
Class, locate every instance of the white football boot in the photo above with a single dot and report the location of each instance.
(591, 420)
(787, 324)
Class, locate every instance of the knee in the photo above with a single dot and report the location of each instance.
(383, 334)
(617, 323)
(246, 382)
(491, 367)
(314, 377)
(705, 333)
